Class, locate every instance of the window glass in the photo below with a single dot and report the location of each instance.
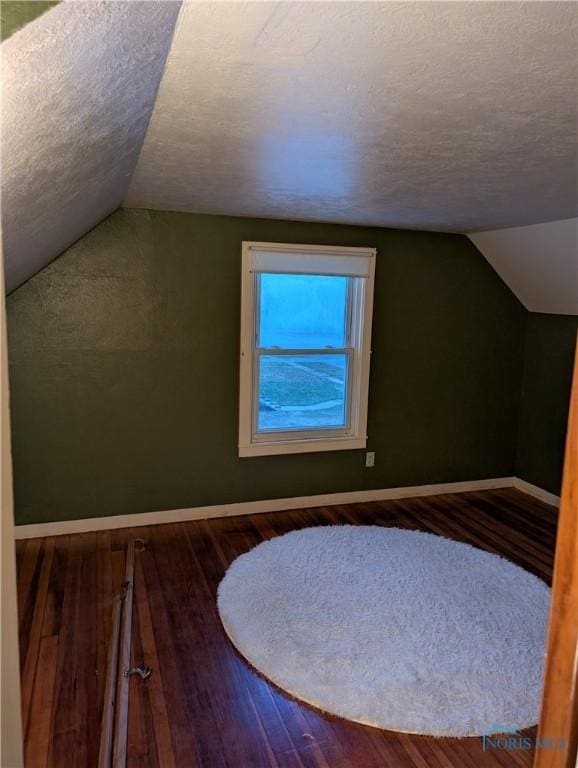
(302, 311)
(302, 392)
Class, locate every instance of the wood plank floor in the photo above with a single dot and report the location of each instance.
(203, 707)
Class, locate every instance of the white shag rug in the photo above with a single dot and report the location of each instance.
(397, 629)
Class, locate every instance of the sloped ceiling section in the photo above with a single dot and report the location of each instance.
(79, 85)
(539, 263)
(442, 116)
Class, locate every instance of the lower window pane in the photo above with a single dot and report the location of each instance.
(302, 392)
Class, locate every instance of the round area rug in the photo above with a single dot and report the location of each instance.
(397, 629)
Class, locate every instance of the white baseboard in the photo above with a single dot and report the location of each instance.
(538, 493)
(62, 527)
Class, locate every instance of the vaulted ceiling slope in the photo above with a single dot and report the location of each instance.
(538, 262)
(79, 85)
(442, 116)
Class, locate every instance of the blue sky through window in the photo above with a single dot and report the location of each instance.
(302, 311)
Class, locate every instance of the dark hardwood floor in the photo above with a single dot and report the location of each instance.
(203, 706)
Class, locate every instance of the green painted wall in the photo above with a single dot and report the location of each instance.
(14, 15)
(549, 357)
(124, 369)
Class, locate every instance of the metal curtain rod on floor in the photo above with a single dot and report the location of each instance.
(114, 729)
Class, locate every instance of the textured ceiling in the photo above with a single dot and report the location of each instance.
(448, 116)
(538, 262)
(79, 85)
(457, 116)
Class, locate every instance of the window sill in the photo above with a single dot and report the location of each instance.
(302, 446)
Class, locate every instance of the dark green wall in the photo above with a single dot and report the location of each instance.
(549, 357)
(14, 15)
(124, 369)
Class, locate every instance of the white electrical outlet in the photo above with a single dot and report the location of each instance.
(370, 459)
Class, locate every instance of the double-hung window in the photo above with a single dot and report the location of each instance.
(305, 347)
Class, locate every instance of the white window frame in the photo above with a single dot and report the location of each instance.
(354, 434)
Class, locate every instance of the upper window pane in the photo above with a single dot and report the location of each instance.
(302, 311)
